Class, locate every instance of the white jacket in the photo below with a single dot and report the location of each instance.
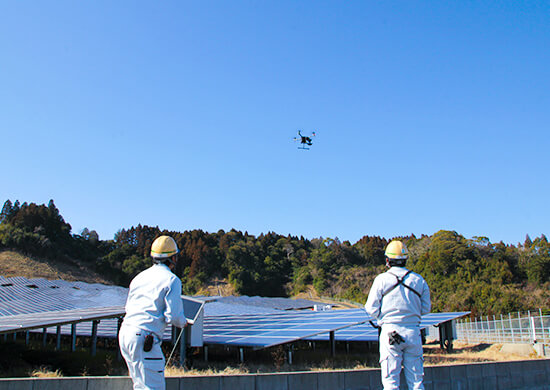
(154, 300)
(400, 305)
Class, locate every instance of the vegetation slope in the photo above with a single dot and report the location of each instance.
(463, 274)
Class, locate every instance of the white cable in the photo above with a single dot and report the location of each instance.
(173, 349)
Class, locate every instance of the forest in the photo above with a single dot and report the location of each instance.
(463, 274)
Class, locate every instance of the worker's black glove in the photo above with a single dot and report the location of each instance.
(395, 338)
(148, 344)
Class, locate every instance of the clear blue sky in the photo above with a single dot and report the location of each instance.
(429, 115)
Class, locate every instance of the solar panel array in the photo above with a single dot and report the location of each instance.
(270, 303)
(57, 318)
(239, 321)
(19, 295)
(366, 332)
(213, 309)
(261, 331)
(245, 305)
(61, 301)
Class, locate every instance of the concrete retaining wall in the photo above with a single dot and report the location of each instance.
(520, 375)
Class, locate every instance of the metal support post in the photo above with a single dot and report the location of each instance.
(520, 328)
(58, 338)
(183, 346)
(502, 334)
(332, 344)
(44, 336)
(14, 336)
(534, 339)
(496, 329)
(119, 325)
(174, 335)
(205, 348)
(511, 327)
(27, 337)
(73, 337)
(290, 354)
(541, 325)
(241, 355)
(94, 337)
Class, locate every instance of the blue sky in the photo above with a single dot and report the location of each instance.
(429, 115)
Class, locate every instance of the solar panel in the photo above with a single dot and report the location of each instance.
(240, 321)
(41, 282)
(212, 309)
(262, 331)
(46, 319)
(19, 280)
(366, 332)
(270, 303)
(21, 299)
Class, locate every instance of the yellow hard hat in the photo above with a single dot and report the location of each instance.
(397, 250)
(164, 247)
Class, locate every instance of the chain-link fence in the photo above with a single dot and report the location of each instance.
(518, 327)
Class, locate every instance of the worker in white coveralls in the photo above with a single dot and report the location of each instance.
(154, 300)
(397, 300)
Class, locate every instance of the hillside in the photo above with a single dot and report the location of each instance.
(463, 274)
(15, 264)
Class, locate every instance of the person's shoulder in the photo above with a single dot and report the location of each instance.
(168, 274)
(383, 276)
(144, 273)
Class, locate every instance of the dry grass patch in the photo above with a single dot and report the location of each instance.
(469, 353)
(178, 371)
(15, 264)
(462, 353)
(45, 372)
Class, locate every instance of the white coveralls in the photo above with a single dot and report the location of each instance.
(400, 309)
(154, 300)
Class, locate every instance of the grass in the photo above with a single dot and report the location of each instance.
(433, 355)
(15, 264)
(19, 360)
(469, 353)
(45, 372)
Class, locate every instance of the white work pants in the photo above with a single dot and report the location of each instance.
(145, 368)
(408, 354)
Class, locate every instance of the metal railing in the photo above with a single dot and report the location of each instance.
(518, 327)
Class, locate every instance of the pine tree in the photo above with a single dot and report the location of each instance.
(6, 211)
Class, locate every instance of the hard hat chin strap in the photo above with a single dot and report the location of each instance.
(164, 260)
(172, 261)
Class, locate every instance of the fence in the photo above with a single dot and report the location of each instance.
(518, 327)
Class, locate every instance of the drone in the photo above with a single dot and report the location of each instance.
(304, 140)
